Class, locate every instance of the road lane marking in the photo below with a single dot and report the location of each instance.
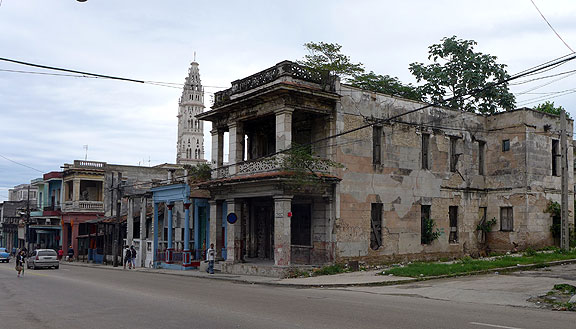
(493, 325)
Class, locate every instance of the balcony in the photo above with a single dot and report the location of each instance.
(83, 206)
(282, 69)
(269, 164)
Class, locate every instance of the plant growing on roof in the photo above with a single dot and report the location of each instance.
(303, 166)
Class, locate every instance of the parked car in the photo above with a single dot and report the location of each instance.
(43, 258)
(4, 255)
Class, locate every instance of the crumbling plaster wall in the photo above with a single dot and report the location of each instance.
(402, 186)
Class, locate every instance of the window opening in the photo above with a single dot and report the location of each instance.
(453, 216)
(453, 154)
(481, 154)
(555, 156)
(424, 218)
(376, 226)
(376, 145)
(506, 219)
(506, 145)
(425, 155)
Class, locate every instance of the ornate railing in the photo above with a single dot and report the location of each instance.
(223, 172)
(91, 206)
(88, 164)
(285, 68)
(256, 166)
(269, 164)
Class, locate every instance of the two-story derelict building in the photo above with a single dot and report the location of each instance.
(432, 170)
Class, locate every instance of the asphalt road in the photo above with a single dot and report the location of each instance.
(80, 297)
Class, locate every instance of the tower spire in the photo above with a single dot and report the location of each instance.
(190, 146)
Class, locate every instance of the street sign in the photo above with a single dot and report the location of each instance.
(231, 218)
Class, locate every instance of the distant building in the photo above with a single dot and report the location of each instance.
(20, 192)
(190, 147)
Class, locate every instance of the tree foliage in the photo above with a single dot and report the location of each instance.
(327, 57)
(549, 107)
(457, 70)
(386, 84)
(199, 172)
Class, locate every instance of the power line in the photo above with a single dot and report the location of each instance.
(550, 25)
(91, 75)
(21, 164)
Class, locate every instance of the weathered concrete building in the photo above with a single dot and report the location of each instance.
(458, 169)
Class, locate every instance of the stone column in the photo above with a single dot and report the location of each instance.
(75, 239)
(170, 249)
(155, 231)
(282, 232)
(217, 147)
(187, 255)
(234, 233)
(283, 129)
(142, 246)
(236, 145)
(130, 223)
(64, 238)
(197, 245)
(216, 227)
(75, 190)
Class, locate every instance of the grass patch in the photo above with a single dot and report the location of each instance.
(330, 270)
(467, 265)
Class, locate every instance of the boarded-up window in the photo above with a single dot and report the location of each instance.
(376, 145)
(453, 154)
(506, 219)
(425, 151)
(453, 216)
(301, 225)
(424, 218)
(555, 157)
(481, 154)
(376, 226)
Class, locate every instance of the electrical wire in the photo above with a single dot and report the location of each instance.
(550, 25)
(21, 164)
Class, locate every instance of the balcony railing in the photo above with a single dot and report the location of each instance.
(83, 206)
(269, 164)
(285, 68)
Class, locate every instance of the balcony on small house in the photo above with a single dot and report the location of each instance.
(83, 206)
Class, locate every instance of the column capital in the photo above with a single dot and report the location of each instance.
(187, 205)
(170, 206)
(284, 110)
(283, 197)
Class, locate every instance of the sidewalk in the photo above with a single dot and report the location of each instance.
(361, 278)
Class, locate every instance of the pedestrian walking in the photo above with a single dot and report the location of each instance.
(210, 256)
(60, 253)
(133, 254)
(127, 258)
(20, 261)
(70, 253)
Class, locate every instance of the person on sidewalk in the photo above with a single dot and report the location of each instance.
(60, 253)
(70, 254)
(133, 254)
(210, 256)
(20, 261)
(127, 258)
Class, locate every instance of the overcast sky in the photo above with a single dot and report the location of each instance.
(45, 121)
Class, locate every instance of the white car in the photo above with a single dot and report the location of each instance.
(43, 258)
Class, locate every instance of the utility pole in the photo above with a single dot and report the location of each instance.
(28, 218)
(565, 231)
(117, 221)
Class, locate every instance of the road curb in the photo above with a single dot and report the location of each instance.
(277, 283)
